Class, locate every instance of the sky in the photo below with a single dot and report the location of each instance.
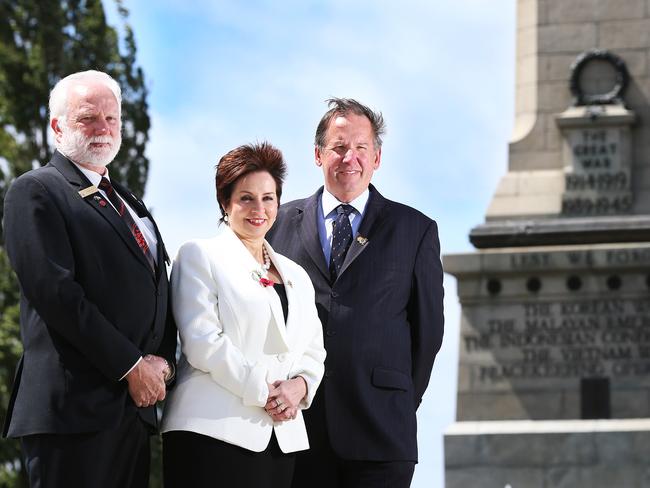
(223, 73)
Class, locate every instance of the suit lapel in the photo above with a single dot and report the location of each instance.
(247, 262)
(274, 300)
(141, 209)
(372, 220)
(286, 328)
(307, 224)
(96, 200)
(278, 315)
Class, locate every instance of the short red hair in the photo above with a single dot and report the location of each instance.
(246, 159)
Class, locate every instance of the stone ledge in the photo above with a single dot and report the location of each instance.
(549, 260)
(497, 427)
(570, 230)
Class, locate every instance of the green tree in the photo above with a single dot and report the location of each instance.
(41, 41)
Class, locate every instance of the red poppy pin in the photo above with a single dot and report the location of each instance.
(258, 276)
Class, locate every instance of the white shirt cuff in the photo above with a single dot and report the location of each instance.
(132, 367)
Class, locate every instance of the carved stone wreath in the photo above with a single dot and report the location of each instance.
(615, 95)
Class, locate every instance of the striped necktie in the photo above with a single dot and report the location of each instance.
(123, 212)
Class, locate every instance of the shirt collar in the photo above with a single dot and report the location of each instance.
(92, 176)
(330, 202)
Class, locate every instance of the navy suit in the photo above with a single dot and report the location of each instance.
(383, 325)
(90, 305)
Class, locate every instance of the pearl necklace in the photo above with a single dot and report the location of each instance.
(267, 259)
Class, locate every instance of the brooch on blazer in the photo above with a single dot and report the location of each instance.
(259, 277)
(362, 240)
(100, 200)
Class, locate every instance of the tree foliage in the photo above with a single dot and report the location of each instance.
(41, 41)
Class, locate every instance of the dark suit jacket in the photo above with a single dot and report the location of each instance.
(90, 304)
(382, 321)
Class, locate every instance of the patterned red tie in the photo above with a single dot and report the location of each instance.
(119, 205)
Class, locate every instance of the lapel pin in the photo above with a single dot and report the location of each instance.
(88, 191)
(102, 203)
(362, 240)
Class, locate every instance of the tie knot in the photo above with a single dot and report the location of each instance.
(344, 208)
(104, 184)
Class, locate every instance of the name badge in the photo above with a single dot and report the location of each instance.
(88, 191)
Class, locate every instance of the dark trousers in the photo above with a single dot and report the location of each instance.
(116, 458)
(195, 460)
(320, 467)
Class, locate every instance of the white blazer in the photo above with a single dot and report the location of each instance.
(234, 341)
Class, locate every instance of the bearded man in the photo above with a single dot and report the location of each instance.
(98, 340)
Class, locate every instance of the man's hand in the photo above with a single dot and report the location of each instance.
(146, 384)
(161, 365)
(284, 398)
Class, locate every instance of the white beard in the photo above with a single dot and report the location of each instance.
(77, 147)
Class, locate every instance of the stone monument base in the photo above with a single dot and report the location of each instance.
(548, 454)
(554, 332)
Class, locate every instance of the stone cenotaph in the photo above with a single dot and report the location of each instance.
(554, 372)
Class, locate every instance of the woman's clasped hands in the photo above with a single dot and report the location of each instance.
(285, 397)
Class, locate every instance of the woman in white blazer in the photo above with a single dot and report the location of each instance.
(251, 342)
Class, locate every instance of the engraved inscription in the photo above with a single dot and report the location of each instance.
(534, 261)
(597, 177)
(530, 260)
(561, 340)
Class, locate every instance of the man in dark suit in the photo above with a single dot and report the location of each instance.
(98, 341)
(376, 270)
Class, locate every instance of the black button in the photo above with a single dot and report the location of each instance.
(328, 373)
(154, 336)
(331, 333)
(334, 294)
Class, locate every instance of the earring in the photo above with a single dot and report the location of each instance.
(225, 218)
